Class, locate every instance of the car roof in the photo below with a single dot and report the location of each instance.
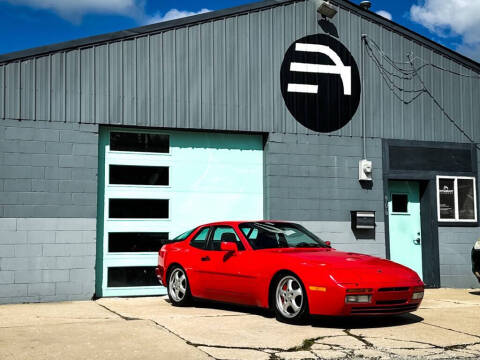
(238, 222)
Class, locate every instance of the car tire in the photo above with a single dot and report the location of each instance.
(178, 287)
(289, 299)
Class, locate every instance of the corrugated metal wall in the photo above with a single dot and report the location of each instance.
(224, 75)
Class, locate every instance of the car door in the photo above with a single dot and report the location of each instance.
(229, 277)
(198, 258)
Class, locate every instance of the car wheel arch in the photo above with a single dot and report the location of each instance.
(273, 280)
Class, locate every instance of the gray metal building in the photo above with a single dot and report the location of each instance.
(111, 143)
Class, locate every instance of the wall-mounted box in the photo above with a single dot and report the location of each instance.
(362, 220)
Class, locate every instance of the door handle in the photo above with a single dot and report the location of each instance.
(206, 258)
(417, 241)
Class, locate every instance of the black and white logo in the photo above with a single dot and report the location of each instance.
(320, 83)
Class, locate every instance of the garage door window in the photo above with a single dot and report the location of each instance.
(132, 276)
(139, 142)
(135, 242)
(138, 209)
(139, 175)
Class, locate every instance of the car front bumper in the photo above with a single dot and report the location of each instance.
(386, 299)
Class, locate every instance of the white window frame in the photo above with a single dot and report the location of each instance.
(455, 194)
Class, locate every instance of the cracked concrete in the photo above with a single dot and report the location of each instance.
(447, 326)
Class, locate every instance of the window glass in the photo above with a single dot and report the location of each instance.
(132, 276)
(280, 235)
(136, 242)
(138, 142)
(466, 199)
(138, 209)
(220, 234)
(139, 175)
(200, 240)
(184, 235)
(446, 198)
(400, 203)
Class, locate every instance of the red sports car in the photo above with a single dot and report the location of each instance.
(285, 267)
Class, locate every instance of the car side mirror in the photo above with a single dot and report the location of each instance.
(228, 246)
(328, 243)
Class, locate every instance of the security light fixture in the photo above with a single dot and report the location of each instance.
(366, 4)
(326, 9)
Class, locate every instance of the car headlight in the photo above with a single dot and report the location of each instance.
(352, 299)
(477, 245)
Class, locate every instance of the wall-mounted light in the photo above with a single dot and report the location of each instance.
(325, 9)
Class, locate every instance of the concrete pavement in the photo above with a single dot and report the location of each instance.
(446, 326)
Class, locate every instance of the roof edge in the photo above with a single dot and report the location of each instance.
(139, 31)
(191, 20)
(412, 35)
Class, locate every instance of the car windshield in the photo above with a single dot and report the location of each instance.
(269, 235)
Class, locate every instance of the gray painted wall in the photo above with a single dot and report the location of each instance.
(48, 197)
(223, 74)
(455, 256)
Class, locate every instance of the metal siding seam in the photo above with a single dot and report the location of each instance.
(187, 105)
(149, 90)
(108, 84)
(80, 85)
(225, 120)
(34, 89)
(50, 88)
(272, 74)
(122, 97)
(237, 75)
(284, 46)
(135, 71)
(65, 87)
(4, 90)
(94, 81)
(249, 110)
(175, 88)
(19, 90)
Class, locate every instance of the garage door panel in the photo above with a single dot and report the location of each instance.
(198, 178)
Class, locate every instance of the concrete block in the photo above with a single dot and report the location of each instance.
(28, 276)
(89, 237)
(13, 290)
(84, 198)
(25, 133)
(14, 263)
(78, 224)
(78, 137)
(49, 276)
(42, 289)
(37, 224)
(6, 277)
(13, 237)
(74, 186)
(42, 263)
(17, 159)
(45, 160)
(28, 250)
(85, 149)
(60, 148)
(22, 172)
(68, 288)
(49, 186)
(18, 185)
(8, 224)
(55, 250)
(56, 173)
(85, 174)
(81, 249)
(75, 262)
(41, 237)
(82, 275)
(68, 237)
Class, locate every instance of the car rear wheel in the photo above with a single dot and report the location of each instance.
(290, 299)
(178, 287)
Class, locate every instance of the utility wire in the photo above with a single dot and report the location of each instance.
(429, 93)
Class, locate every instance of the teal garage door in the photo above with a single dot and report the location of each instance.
(158, 184)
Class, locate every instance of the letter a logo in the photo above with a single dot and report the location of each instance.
(320, 83)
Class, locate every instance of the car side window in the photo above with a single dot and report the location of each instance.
(200, 240)
(224, 233)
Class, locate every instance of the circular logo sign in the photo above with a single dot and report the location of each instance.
(320, 83)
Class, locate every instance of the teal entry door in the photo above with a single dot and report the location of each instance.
(405, 224)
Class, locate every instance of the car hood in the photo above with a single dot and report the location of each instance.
(345, 266)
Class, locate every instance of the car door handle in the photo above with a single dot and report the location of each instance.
(206, 258)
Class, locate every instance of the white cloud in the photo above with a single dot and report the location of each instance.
(385, 14)
(173, 14)
(450, 19)
(74, 9)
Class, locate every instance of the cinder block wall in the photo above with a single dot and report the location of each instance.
(48, 196)
(313, 180)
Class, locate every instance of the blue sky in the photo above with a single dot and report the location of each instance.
(30, 23)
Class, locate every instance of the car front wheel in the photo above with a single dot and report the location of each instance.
(178, 287)
(290, 299)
